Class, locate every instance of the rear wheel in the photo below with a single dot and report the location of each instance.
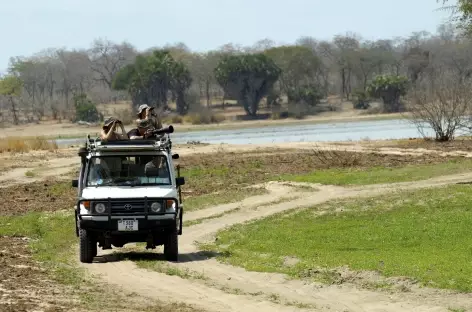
(171, 247)
(88, 246)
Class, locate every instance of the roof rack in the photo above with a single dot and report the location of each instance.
(159, 143)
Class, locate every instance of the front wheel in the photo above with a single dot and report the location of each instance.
(171, 247)
(88, 246)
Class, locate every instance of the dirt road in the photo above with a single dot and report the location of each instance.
(226, 288)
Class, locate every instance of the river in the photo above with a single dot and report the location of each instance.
(338, 131)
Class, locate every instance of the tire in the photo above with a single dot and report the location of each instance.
(94, 249)
(88, 246)
(171, 247)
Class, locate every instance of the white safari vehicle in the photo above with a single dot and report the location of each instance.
(129, 191)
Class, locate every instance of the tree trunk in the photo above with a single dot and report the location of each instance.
(13, 110)
(207, 91)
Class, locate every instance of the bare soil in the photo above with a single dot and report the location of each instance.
(48, 195)
(24, 285)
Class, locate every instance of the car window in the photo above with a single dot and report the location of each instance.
(123, 171)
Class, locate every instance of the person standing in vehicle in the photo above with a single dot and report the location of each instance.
(109, 133)
(147, 112)
(143, 127)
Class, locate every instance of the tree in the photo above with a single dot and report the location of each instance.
(461, 13)
(107, 58)
(247, 78)
(346, 47)
(299, 66)
(151, 77)
(11, 87)
(441, 99)
(389, 88)
(85, 109)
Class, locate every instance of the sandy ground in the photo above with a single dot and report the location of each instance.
(68, 129)
(227, 288)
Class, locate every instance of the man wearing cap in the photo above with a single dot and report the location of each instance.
(143, 127)
(146, 112)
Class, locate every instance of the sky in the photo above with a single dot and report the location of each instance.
(29, 26)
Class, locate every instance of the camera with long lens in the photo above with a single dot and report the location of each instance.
(155, 132)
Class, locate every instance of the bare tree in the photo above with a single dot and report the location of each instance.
(107, 58)
(441, 99)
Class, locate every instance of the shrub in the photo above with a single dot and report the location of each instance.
(85, 109)
(309, 95)
(361, 100)
(389, 88)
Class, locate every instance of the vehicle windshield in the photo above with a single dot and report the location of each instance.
(127, 171)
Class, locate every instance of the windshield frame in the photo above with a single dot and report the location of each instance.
(91, 158)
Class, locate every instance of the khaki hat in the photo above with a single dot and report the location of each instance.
(107, 122)
(143, 107)
(143, 123)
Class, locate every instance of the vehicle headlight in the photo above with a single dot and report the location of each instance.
(155, 207)
(100, 208)
(170, 206)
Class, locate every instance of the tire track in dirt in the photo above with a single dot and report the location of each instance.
(256, 288)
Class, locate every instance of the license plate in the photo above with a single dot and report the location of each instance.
(127, 225)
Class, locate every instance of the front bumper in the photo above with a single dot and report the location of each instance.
(111, 225)
(147, 222)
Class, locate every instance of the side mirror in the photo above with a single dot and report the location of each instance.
(175, 156)
(75, 183)
(180, 181)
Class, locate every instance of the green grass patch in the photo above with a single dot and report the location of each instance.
(53, 235)
(224, 197)
(30, 174)
(375, 175)
(424, 235)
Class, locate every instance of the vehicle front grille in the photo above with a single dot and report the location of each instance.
(127, 206)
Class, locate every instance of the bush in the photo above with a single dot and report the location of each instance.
(389, 88)
(361, 100)
(85, 109)
(310, 95)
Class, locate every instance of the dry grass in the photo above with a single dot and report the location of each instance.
(175, 119)
(228, 171)
(25, 144)
(459, 144)
(205, 117)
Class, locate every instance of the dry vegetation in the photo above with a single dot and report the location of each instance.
(25, 144)
(24, 285)
(460, 144)
(225, 172)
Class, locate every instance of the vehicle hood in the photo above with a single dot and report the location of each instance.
(128, 192)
